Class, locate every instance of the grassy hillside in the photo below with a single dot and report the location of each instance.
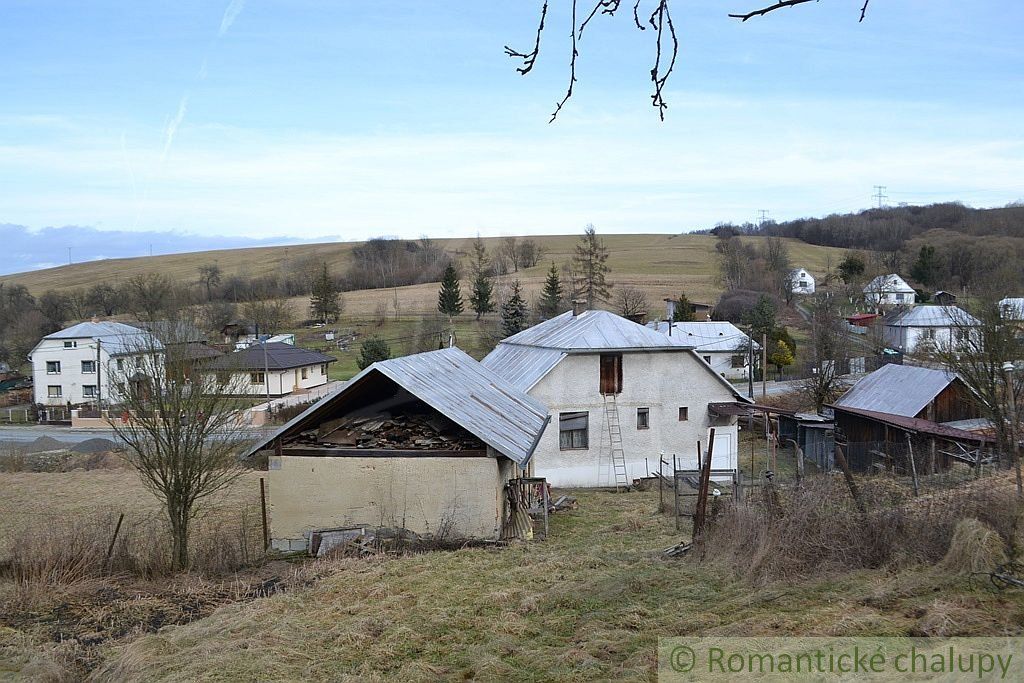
(663, 265)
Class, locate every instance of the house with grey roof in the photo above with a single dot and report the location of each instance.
(276, 368)
(720, 344)
(927, 327)
(620, 396)
(83, 364)
(899, 401)
(424, 444)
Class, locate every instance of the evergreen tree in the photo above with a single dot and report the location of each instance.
(324, 301)
(449, 299)
(926, 267)
(551, 297)
(781, 355)
(513, 312)
(684, 310)
(372, 349)
(481, 298)
(761, 318)
(591, 267)
(851, 268)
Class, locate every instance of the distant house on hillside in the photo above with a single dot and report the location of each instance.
(944, 298)
(1012, 308)
(619, 395)
(426, 444)
(889, 290)
(75, 365)
(721, 345)
(282, 367)
(801, 281)
(921, 327)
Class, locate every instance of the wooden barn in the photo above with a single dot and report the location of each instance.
(876, 417)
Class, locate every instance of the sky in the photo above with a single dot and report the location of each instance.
(225, 123)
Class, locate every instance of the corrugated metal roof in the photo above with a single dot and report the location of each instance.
(1012, 308)
(523, 366)
(484, 404)
(897, 389)
(592, 331)
(931, 316)
(885, 284)
(918, 425)
(279, 356)
(706, 336)
(116, 338)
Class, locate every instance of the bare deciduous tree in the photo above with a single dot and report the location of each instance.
(181, 429)
(829, 348)
(632, 303)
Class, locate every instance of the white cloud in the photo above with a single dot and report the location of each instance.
(231, 13)
(171, 129)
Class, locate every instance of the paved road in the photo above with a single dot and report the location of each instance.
(29, 433)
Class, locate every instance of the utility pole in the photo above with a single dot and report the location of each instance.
(764, 365)
(99, 392)
(880, 194)
(1008, 369)
(750, 364)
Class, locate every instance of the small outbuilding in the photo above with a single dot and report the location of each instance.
(423, 444)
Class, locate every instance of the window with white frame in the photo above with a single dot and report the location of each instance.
(70, 345)
(53, 391)
(643, 418)
(88, 367)
(53, 367)
(89, 391)
(305, 373)
(257, 378)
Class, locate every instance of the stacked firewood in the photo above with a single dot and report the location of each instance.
(392, 432)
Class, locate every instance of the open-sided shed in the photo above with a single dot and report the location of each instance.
(422, 444)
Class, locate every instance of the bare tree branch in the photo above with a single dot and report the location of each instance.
(572, 68)
(771, 8)
(530, 57)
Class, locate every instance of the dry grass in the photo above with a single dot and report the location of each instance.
(662, 265)
(587, 604)
(975, 547)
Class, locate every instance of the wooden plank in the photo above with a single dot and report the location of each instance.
(377, 453)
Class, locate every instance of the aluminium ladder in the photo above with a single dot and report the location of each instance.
(618, 456)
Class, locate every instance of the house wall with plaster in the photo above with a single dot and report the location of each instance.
(422, 494)
(662, 382)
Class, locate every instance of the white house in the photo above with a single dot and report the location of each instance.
(920, 327)
(721, 345)
(889, 290)
(286, 368)
(1012, 308)
(593, 369)
(801, 281)
(76, 364)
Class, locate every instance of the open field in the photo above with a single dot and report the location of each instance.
(663, 264)
(589, 603)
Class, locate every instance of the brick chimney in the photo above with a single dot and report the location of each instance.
(578, 306)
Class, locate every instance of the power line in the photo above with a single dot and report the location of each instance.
(880, 194)
(763, 217)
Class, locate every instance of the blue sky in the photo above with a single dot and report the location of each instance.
(263, 120)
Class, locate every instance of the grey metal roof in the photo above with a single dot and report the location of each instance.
(277, 356)
(1012, 308)
(903, 390)
(523, 366)
(116, 338)
(931, 316)
(706, 336)
(449, 381)
(593, 331)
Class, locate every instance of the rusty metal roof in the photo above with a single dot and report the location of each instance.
(452, 383)
(917, 425)
(903, 390)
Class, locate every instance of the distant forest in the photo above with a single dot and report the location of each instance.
(948, 246)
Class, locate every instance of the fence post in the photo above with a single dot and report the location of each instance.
(913, 467)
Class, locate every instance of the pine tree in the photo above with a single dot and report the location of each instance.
(449, 299)
(684, 310)
(761, 318)
(551, 297)
(324, 302)
(372, 349)
(481, 298)
(781, 355)
(925, 269)
(513, 312)
(590, 264)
